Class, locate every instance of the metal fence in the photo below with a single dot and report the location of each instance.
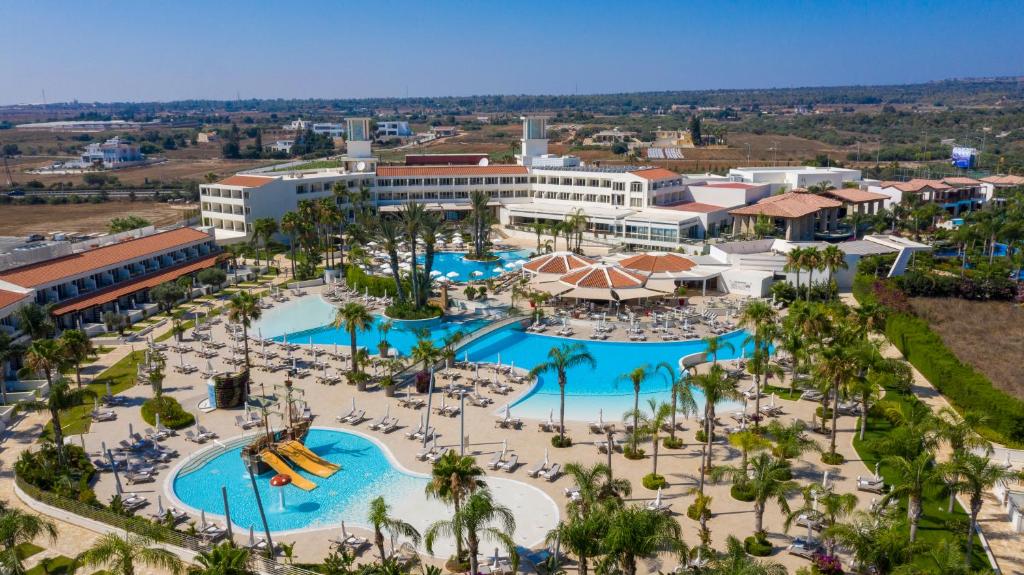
(140, 526)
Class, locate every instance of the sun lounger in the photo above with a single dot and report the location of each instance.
(427, 434)
(423, 454)
(203, 432)
(411, 434)
(155, 435)
(191, 436)
(133, 501)
(511, 464)
(536, 470)
(812, 395)
(243, 423)
(379, 423)
(107, 415)
(870, 484)
(662, 507)
(552, 473)
(359, 417)
(132, 478)
(391, 426)
(346, 417)
(803, 547)
(495, 461)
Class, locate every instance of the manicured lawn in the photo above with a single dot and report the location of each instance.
(121, 376)
(26, 550)
(936, 523)
(59, 565)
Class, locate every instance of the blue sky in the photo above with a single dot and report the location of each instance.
(149, 50)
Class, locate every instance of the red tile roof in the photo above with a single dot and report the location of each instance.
(419, 171)
(1004, 180)
(10, 297)
(656, 174)
(49, 271)
(696, 207)
(916, 185)
(557, 263)
(603, 276)
(961, 181)
(788, 205)
(246, 181)
(658, 263)
(111, 293)
(856, 195)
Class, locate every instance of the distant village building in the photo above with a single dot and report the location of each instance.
(393, 130)
(114, 153)
(613, 136)
(207, 137)
(444, 131)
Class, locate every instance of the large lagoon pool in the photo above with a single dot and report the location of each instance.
(456, 263)
(589, 391)
(308, 320)
(366, 472)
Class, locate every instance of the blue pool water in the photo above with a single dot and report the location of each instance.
(365, 473)
(590, 390)
(308, 319)
(447, 262)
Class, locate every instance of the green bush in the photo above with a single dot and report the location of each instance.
(823, 413)
(654, 482)
(832, 458)
(758, 546)
(742, 492)
(171, 413)
(671, 443)
(377, 286)
(72, 481)
(633, 454)
(405, 310)
(559, 441)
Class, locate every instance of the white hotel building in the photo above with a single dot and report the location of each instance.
(641, 207)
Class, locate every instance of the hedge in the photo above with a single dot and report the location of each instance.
(171, 413)
(377, 286)
(967, 389)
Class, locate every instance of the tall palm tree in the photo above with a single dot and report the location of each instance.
(480, 222)
(877, 544)
(713, 345)
(596, 487)
(837, 365)
(35, 320)
(975, 475)
(833, 258)
(224, 559)
(767, 479)
(653, 424)
(120, 554)
(454, 478)
(636, 532)
(735, 561)
(959, 430)
(480, 518)
(390, 236)
(17, 527)
(636, 377)
(682, 394)
(46, 356)
(264, 229)
(381, 520)
(354, 317)
(747, 441)
(717, 387)
(561, 359)
(581, 535)
(912, 476)
(243, 309)
(538, 228)
(810, 260)
(291, 225)
(412, 222)
(760, 318)
(794, 263)
(77, 348)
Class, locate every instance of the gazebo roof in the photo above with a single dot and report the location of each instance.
(557, 263)
(654, 263)
(603, 276)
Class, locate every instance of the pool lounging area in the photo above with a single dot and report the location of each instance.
(367, 470)
(591, 390)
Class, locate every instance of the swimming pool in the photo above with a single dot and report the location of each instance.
(456, 263)
(367, 471)
(590, 390)
(308, 319)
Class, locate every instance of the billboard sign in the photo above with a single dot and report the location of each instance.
(964, 158)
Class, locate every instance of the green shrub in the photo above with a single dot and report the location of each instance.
(377, 286)
(405, 310)
(171, 413)
(832, 458)
(633, 454)
(671, 443)
(742, 492)
(758, 546)
(71, 481)
(559, 441)
(654, 482)
(823, 413)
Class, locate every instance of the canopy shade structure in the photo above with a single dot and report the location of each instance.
(601, 282)
(655, 264)
(555, 264)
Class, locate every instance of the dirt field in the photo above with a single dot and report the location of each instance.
(25, 220)
(986, 335)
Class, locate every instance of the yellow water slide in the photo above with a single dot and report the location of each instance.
(301, 455)
(278, 465)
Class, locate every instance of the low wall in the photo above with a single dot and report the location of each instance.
(306, 283)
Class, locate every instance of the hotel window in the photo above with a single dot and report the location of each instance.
(476, 181)
(416, 182)
(590, 198)
(606, 183)
(430, 182)
(566, 181)
(300, 189)
(619, 186)
(522, 193)
(506, 180)
(636, 203)
(593, 183)
(636, 187)
(445, 181)
(579, 182)
(384, 182)
(491, 181)
(533, 179)
(521, 179)
(399, 182)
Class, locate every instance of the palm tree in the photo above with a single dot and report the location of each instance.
(538, 228)
(17, 527)
(480, 222)
(382, 521)
(454, 478)
(412, 222)
(682, 395)
(264, 229)
(354, 317)
(651, 427)
(224, 559)
(735, 561)
(825, 507)
(790, 439)
(390, 236)
(77, 348)
(833, 258)
(759, 317)
(46, 356)
(768, 478)
(120, 554)
(912, 476)
(717, 387)
(636, 377)
(747, 441)
(477, 519)
(581, 535)
(635, 532)
(975, 475)
(7, 351)
(810, 260)
(597, 488)
(243, 309)
(794, 263)
(713, 345)
(561, 359)
(959, 430)
(877, 544)
(837, 365)
(35, 320)
(291, 225)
